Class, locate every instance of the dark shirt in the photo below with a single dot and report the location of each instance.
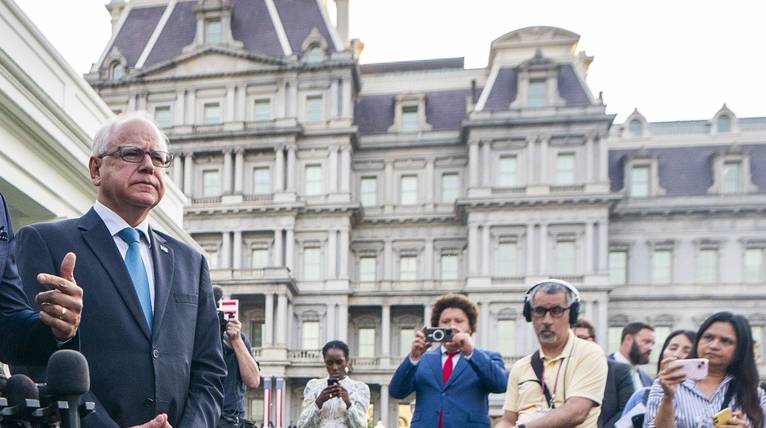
(233, 387)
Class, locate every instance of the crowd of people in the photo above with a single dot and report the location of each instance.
(130, 297)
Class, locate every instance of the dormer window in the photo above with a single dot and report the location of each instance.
(536, 94)
(410, 114)
(642, 176)
(635, 128)
(213, 32)
(639, 181)
(409, 118)
(731, 173)
(314, 48)
(117, 70)
(538, 83)
(731, 177)
(314, 54)
(723, 123)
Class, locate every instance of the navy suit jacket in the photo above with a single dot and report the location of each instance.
(24, 339)
(646, 378)
(463, 399)
(619, 388)
(178, 369)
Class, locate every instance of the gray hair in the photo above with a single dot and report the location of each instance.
(104, 135)
(553, 287)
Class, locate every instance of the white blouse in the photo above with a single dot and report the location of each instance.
(334, 413)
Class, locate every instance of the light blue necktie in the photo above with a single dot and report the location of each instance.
(137, 271)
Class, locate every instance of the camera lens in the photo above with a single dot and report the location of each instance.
(438, 335)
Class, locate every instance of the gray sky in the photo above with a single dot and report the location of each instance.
(673, 59)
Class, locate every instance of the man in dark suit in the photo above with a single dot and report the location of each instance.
(452, 381)
(636, 346)
(149, 326)
(26, 336)
(619, 385)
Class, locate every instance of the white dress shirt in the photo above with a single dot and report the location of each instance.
(637, 384)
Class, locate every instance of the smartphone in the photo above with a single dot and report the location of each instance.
(438, 334)
(722, 417)
(331, 381)
(694, 368)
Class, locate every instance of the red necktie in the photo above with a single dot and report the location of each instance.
(446, 373)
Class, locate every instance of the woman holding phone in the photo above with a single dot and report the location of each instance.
(337, 400)
(729, 388)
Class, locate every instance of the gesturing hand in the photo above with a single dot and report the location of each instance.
(61, 307)
(419, 345)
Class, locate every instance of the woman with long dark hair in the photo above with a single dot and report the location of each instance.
(726, 341)
(335, 401)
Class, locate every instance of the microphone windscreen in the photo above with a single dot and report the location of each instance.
(68, 373)
(20, 388)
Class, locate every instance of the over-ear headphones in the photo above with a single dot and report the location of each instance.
(574, 308)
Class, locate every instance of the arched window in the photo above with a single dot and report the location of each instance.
(117, 70)
(314, 54)
(723, 124)
(635, 128)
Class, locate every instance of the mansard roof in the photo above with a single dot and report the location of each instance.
(504, 88)
(419, 65)
(252, 24)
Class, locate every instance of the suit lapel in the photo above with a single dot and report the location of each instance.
(164, 263)
(101, 243)
(434, 360)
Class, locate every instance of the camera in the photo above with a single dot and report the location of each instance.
(438, 334)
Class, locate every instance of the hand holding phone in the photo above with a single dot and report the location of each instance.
(693, 368)
(722, 417)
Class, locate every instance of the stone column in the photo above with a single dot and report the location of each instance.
(332, 251)
(589, 247)
(228, 172)
(428, 260)
(281, 98)
(427, 314)
(188, 174)
(384, 404)
(603, 159)
(603, 246)
(428, 182)
(291, 168)
(178, 171)
(292, 99)
(589, 157)
(180, 108)
(346, 104)
(279, 170)
(290, 249)
(543, 172)
(385, 318)
(228, 113)
(268, 337)
(343, 247)
(277, 247)
(334, 99)
(473, 164)
(486, 162)
(390, 183)
(530, 249)
(282, 320)
(239, 172)
(225, 261)
(388, 261)
(473, 249)
(485, 242)
(345, 169)
(333, 165)
(237, 262)
(543, 249)
(240, 113)
(331, 328)
(191, 107)
(343, 322)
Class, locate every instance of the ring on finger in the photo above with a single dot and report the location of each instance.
(63, 313)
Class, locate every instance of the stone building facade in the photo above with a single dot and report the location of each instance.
(336, 199)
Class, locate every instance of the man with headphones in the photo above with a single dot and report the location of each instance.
(561, 384)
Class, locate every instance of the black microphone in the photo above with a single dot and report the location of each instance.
(68, 379)
(22, 395)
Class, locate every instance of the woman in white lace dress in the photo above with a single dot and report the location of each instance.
(337, 400)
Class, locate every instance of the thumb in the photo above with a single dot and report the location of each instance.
(67, 266)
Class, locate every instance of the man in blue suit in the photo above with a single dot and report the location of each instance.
(26, 336)
(149, 326)
(452, 381)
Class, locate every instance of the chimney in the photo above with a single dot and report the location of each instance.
(341, 20)
(115, 8)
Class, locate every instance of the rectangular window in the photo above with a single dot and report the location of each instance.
(450, 187)
(506, 176)
(537, 93)
(639, 181)
(660, 334)
(260, 258)
(256, 409)
(368, 191)
(408, 190)
(662, 272)
(707, 266)
(614, 336)
(757, 332)
(618, 267)
(313, 179)
(449, 267)
(753, 265)
(506, 259)
(366, 342)
(732, 177)
(367, 269)
(212, 258)
(256, 333)
(310, 335)
(408, 268)
(314, 108)
(261, 181)
(212, 113)
(311, 264)
(163, 117)
(565, 169)
(262, 110)
(406, 336)
(409, 118)
(213, 31)
(566, 258)
(506, 337)
(211, 183)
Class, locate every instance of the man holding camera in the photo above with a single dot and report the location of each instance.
(241, 368)
(562, 384)
(452, 381)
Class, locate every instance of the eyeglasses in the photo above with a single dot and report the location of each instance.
(134, 154)
(555, 311)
